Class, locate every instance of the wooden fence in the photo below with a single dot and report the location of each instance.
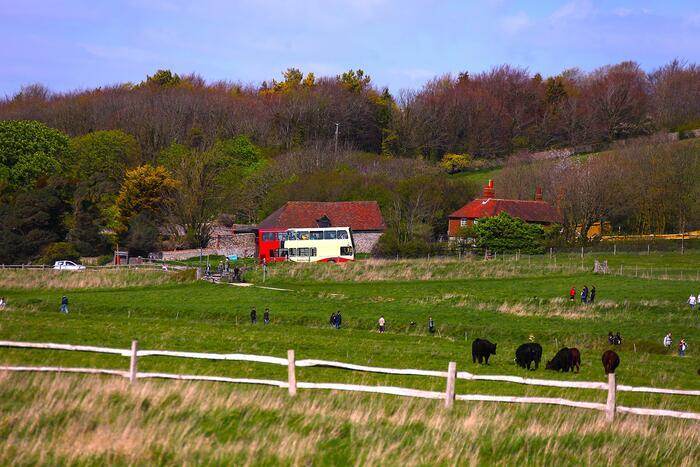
(449, 396)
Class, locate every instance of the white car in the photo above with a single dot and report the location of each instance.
(68, 266)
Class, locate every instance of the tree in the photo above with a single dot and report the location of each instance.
(143, 236)
(354, 81)
(163, 78)
(145, 189)
(30, 150)
(506, 234)
(109, 152)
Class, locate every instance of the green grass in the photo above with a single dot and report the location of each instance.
(504, 301)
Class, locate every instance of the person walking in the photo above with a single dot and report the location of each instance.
(221, 267)
(332, 320)
(338, 320)
(692, 301)
(591, 295)
(266, 316)
(668, 341)
(64, 304)
(572, 294)
(253, 316)
(382, 323)
(682, 347)
(584, 295)
(2, 303)
(227, 266)
(431, 325)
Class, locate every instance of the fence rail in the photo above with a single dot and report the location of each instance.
(449, 396)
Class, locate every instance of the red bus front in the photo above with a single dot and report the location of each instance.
(269, 244)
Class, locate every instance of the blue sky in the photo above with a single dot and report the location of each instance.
(400, 43)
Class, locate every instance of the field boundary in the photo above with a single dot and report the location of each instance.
(449, 396)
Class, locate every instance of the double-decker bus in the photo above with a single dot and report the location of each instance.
(270, 244)
(330, 245)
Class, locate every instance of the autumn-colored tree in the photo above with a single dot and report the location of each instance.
(145, 188)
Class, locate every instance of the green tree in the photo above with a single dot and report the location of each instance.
(163, 78)
(354, 81)
(109, 152)
(506, 234)
(30, 150)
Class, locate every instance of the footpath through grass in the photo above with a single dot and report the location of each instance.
(505, 308)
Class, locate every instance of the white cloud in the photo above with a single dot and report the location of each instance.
(515, 23)
(578, 9)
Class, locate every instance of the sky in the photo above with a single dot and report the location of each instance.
(82, 44)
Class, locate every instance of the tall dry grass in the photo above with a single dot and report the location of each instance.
(92, 278)
(418, 269)
(52, 419)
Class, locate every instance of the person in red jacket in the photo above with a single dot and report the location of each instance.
(572, 294)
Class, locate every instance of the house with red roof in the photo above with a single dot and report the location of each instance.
(363, 217)
(535, 211)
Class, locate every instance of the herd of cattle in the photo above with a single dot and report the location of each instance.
(567, 359)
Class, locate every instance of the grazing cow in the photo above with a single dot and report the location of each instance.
(561, 361)
(575, 359)
(528, 353)
(610, 361)
(482, 350)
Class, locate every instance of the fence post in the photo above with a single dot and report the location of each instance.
(611, 406)
(291, 371)
(133, 366)
(450, 392)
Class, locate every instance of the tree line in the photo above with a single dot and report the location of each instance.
(489, 115)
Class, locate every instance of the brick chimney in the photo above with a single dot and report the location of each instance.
(488, 190)
(538, 194)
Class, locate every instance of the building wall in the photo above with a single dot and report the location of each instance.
(365, 241)
(453, 226)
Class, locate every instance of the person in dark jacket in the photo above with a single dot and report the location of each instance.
(338, 320)
(584, 294)
(266, 316)
(253, 316)
(431, 325)
(64, 304)
(591, 297)
(332, 320)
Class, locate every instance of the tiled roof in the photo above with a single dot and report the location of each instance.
(358, 215)
(529, 211)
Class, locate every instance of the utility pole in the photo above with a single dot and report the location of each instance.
(336, 137)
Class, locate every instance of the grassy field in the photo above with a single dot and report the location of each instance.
(505, 301)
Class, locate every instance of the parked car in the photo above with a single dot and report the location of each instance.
(68, 266)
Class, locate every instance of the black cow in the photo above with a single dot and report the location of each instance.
(528, 353)
(561, 361)
(610, 361)
(482, 350)
(575, 359)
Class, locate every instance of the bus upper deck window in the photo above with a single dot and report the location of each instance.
(303, 235)
(268, 236)
(282, 236)
(342, 234)
(317, 235)
(329, 235)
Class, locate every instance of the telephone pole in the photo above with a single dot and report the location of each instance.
(336, 137)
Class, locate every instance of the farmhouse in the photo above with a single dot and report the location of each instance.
(363, 217)
(535, 212)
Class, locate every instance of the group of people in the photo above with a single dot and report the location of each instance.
(587, 296)
(682, 344)
(254, 316)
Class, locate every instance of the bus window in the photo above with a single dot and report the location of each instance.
(282, 236)
(317, 235)
(282, 252)
(312, 252)
(303, 252)
(302, 235)
(342, 234)
(268, 236)
(329, 235)
(345, 251)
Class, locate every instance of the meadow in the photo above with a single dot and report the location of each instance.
(505, 301)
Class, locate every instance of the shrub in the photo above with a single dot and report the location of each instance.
(506, 234)
(454, 163)
(59, 251)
